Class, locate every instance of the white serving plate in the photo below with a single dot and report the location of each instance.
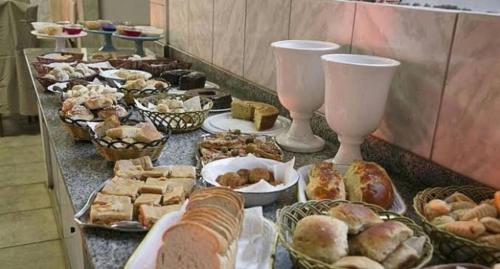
(111, 74)
(225, 122)
(252, 198)
(144, 257)
(81, 34)
(398, 205)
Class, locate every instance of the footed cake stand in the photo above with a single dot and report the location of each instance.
(139, 41)
(108, 41)
(60, 39)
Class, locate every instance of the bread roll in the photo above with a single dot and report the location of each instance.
(321, 237)
(458, 197)
(369, 182)
(462, 205)
(435, 208)
(480, 211)
(490, 240)
(109, 123)
(147, 133)
(492, 225)
(442, 220)
(325, 182)
(380, 240)
(468, 229)
(357, 217)
(357, 262)
(406, 255)
(122, 132)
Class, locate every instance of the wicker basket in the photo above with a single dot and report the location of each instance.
(288, 216)
(177, 122)
(120, 150)
(74, 57)
(77, 129)
(151, 66)
(131, 94)
(449, 246)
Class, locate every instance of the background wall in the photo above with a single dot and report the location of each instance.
(445, 98)
(134, 11)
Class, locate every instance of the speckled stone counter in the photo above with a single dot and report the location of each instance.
(84, 170)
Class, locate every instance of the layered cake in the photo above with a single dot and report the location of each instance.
(263, 115)
(185, 79)
(221, 98)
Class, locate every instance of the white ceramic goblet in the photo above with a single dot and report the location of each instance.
(300, 87)
(356, 90)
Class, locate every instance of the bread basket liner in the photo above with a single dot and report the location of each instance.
(177, 122)
(268, 139)
(46, 82)
(288, 216)
(145, 254)
(447, 245)
(75, 57)
(397, 206)
(120, 150)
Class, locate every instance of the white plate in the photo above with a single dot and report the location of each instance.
(111, 74)
(225, 122)
(81, 34)
(398, 205)
(144, 257)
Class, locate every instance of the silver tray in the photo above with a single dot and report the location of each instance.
(199, 160)
(398, 205)
(82, 217)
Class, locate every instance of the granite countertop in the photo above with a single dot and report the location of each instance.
(84, 170)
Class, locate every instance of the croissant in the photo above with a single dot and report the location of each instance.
(458, 197)
(435, 208)
(462, 205)
(480, 211)
(491, 240)
(467, 229)
(492, 225)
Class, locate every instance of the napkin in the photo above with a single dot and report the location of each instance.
(104, 65)
(282, 171)
(252, 247)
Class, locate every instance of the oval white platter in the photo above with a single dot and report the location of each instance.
(224, 122)
(111, 74)
(144, 257)
(81, 34)
(398, 205)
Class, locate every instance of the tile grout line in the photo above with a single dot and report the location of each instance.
(244, 39)
(26, 184)
(27, 244)
(10, 164)
(28, 210)
(353, 26)
(443, 88)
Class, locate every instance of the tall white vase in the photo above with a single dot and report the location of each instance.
(300, 87)
(356, 90)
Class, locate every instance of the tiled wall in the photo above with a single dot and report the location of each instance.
(445, 98)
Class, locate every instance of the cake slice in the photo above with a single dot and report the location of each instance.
(103, 199)
(154, 185)
(263, 115)
(174, 195)
(146, 199)
(242, 110)
(149, 215)
(110, 213)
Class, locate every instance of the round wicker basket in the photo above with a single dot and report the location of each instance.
(177, 122)
(77, 129)
(447, 245)
(288, 216)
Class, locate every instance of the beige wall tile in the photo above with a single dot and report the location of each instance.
(157, 15)
(421, 40)
(178, 23)
(468, 131)
(200, 36)
(266, 21)
(229, 34)
(324, 20)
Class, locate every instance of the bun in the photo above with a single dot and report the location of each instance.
(98, 102)
(357, 217)
(147, 133)
(406, 254)
(325, 182)
(369, 182)
(480, 211)
(468, 229)
(435, 208)
(109, 123)
(490, 240)
(321, 237)
(380, 240)
(357, 262)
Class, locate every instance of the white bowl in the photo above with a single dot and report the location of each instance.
(39, 25)
(252, 198)
(150, 31)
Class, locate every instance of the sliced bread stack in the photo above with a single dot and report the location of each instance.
(207, 234)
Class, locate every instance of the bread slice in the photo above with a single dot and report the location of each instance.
(182, 171)
(149, 215)
(147, 133)
(108, 123)
(154, 185)
(122, 132)
(122, 187)
(102, 199)
(110, 213)
(210, 223)
(146, 199)
(406, 255)
(186, 183)
(216, 200)
(218, 216)
(237, 196)
(174, 195)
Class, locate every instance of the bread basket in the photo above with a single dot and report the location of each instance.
(449, 246)
(74, 57)
(118, 149)
(131, 94)
(288, 216)
(77, 129)
(177, 122)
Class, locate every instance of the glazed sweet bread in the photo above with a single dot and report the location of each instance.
(357, 217)
(406, 255)
(369, 182)
(357, 262)
(325, 182)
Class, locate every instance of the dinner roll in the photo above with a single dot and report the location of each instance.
(321, 237)
(357, 217)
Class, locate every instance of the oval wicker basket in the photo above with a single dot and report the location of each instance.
(131, 94)
(447, 245)
(288, 216)
(121, 150)
(42, 70)
(77, 129)
(74, 57)
(177, 122)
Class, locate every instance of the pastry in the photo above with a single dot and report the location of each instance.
(109, 123)
(221, 99)
(480, 211)
(122, 132)
(369, 182)
(435, 208)
(103, 199)
(462, 205)
(79, 112)
(149, 215)
(147, 133)
(406, 255)
(357, 262)
(468, 229)
(135, 84)
(325, 182)
(458, 197)
(182, 171)
(146, 199)
(154, 185)
(92, 25)
(496, 201)
(98, 102)
(357, 217)
(321, 237)
(142, 163)
(122, 187)
(263, 115)
(492, 225)
(186, 183)
(490, 240)
(258, 174)
(110, 213)
(437, 221)
(380, 240)
(114, 110)
(174, 195)
(231, 180)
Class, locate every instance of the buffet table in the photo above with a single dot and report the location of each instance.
(75, 170)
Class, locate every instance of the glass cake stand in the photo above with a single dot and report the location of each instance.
(60, 39)
(108, 41)
(139, 41)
